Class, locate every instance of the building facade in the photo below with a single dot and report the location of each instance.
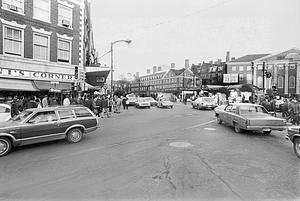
(41, 46)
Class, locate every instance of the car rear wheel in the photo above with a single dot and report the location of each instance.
(5, 146)
(237, 128)
(297, 147)
(74, 135)
(219, 120)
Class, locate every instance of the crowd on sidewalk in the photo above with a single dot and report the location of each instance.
(101, 105)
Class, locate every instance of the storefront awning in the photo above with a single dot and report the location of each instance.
(46, 85)
(17, 85)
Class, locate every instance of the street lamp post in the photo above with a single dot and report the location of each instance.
(112, 62)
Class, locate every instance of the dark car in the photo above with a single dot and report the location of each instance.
(46, 124)
(294, 136)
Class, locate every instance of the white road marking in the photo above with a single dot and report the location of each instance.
(210, 129)
(180, 144)
(203, 124)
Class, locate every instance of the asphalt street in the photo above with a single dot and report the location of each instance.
(155, 154)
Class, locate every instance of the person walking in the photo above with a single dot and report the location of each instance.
(273, 106)
(124, 103)
(31, 103)
(127, 103)
(285, 113)
(14, 111)
(99, 106)
(118, 105)
(66, 101)
(110, 104)
(105, 107)
(45, 102)
(38, 103)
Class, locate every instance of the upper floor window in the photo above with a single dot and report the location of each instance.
(292, 82)
(64, 16)
(41, 10)
(233, 68)
(292, 66)
(241, 68)
(249, 68)
(13, 5)
(64, 51)
(13, 41)
(40, 47)
(280, 82)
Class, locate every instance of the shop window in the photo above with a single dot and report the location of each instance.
(40, 47)
(41, 10)
(13, 41)
(16, 6)
(292, 82)
(64, 16)
(64, 51)
(280, 82)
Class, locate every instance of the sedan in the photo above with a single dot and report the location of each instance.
(46, 124)
(151, 100)
(164, 103)
(204, 103)
(294, 136)
(143, 103)
(250, 117)
(4, 112)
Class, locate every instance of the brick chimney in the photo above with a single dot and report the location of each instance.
(154, 69)
(159, 68)
(148, 71)
(137, 74)
(186, 63)
(232, 58)
(172, 65)
(227, 56)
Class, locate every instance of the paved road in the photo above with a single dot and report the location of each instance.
(130, 158)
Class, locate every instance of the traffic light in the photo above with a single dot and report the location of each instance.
(82, 75)
(76, 72)
(268, 74)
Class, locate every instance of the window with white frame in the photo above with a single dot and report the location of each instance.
(40, 46)
(241, 68)
(249, 78)
(280, 82)
(233, 68)
(41, 10)
(64, 51)
(13, 5)
(13, 41)
(249, 68)
(292, 66)
(64, 15)
(292, 82)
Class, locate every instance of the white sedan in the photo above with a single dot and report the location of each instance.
(143, 103)
(204, 103)
(4, 112)
(164, 103)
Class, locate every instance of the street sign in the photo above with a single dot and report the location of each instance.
(105, 86)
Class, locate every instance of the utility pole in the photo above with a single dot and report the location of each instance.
(263, 69)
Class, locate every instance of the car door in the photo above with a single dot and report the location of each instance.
(225, 113)
(231, 115)
(42, 126)
(66, 119)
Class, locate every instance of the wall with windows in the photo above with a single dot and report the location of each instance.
(42, 30)
(243, 69)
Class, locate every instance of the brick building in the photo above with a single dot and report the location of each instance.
(42, 44)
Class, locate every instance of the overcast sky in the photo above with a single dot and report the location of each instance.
(167, 31)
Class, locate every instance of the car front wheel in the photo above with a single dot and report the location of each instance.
(297, 147)
(5, 146)
(74, 135)
(237, 128)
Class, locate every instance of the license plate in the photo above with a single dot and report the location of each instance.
(267, 129)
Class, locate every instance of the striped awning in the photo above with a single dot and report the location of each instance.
(17, 85)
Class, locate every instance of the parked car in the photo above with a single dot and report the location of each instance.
(132, 100)
(164, 103)
(204, 103)
(46, 124)
(151, 100)
(143, 103)
(4, 112)
(294, 136)
(250, 117)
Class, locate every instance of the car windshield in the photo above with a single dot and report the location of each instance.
(148, 99)
(210, 100)
(144, 100)
(252, 110)
(21, 116)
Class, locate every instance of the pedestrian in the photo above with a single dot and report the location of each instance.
(45, 102)
(38, 103)
(31, 103)
(110, 104)
(284, 108)
(127, 103)
(118, 104)
(66, 101)
(293, 111)
(105, 107)
(273, 106)
(124, 103)
(266, 104)
(99, 106)
(14, 111)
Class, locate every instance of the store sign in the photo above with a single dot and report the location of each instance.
(230, 78)
(34, 75)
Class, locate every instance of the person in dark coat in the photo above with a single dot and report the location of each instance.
(124, 102)
(31, 103)
(99, 106)
(14, 111)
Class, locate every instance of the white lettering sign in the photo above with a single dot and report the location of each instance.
(35, 75)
